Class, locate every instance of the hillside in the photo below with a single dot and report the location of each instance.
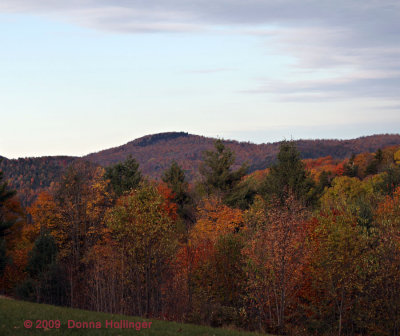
(14, 313)
(31, 175)
(156, 152)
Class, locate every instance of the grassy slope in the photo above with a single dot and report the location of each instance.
(14, 313)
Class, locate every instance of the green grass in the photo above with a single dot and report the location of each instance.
(13, 314)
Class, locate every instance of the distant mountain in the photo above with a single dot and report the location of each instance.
(156, 152)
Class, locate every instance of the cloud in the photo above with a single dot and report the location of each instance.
(371, 16)
(390, 107)
(345, 37)
(332, 89)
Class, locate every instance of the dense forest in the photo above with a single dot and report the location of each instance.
(304, 247)
(30, 176)
(156, 152)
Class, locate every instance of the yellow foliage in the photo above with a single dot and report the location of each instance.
(44, 214)
(397, 157)
(215, 219)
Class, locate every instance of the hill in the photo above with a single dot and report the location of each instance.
(31, 175)
(14, 313)
(156, 152)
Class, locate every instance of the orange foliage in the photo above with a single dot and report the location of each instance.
(258, 175)
(215, 219)
(391, 204)
(327, 163)
(277, 253)
(44, 215)
(388, 215)
(169, 206)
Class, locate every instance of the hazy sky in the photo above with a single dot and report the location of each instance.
(79, 76)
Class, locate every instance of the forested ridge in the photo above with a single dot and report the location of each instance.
(30, 176)
(156, 152)
(304, 247)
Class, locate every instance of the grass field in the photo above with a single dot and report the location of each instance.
(13, 314)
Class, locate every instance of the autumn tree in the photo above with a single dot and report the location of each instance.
(124, 176)
(354, 196)
(213, 267)
(396, 157)
(342, 266)
(198, 290)
(74, 216)
(218, 281)
(45, 215)
(106, 267)
(146, 237)
(383, 291)
(275, 251)
(343, 259)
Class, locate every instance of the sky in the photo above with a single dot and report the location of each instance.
(79, 76)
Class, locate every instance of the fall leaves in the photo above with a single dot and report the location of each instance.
(290, 255)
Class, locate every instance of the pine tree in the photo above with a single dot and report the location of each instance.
(5, 194)
(124, 176)
(375, 164)
(174, 177)
(43, 254)
(351, 169)
(288, 175)
(216, 169)
(46, 282)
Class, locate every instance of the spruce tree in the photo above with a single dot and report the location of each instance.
(43, 254)
(351, 169)
(287, 176)
(375, 165)
(174, 177)
(5, 194)
(46, 282)
(216, 169)
(124, 176)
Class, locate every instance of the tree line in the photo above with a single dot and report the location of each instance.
(303, 248)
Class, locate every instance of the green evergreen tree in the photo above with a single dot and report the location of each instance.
(174, 177)
(288, 175)
(124, 176)
(374, 165)
(379, 156)
(242, 195)
(325, 180)
(5, 194)
(216, 169)
(391, 180)
(43, 254)
(46, 282)
(351, 169)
